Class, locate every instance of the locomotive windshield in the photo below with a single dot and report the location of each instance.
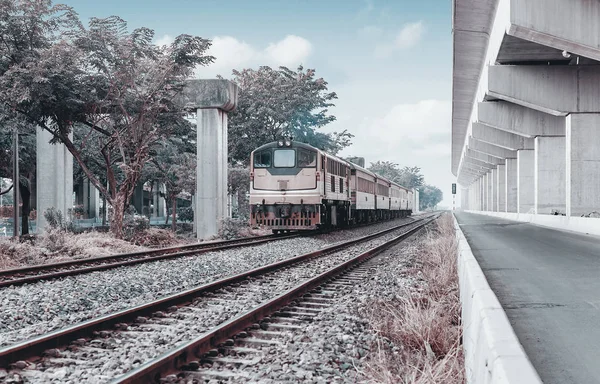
(284, 158)
(262, 159)
(307, 159)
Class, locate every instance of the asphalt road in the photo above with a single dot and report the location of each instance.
(548, 282)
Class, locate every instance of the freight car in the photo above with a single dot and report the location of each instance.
(294, 186)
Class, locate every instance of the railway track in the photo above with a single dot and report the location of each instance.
(228, 306)
(32, 274)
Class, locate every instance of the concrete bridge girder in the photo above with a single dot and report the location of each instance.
(499, 138)
(490, 149)
(483, 157)
(556, 90)
(519, 120)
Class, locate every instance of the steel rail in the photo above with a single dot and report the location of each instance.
(35, 346)
(171, 362)
(45, 270)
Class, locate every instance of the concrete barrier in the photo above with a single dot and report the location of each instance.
(493, 353)
(586, 225)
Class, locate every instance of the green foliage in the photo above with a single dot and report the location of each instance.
(186, 214)
(409, 177)
(429, 197)
(56, 220)
(233, 229)
(281, 102)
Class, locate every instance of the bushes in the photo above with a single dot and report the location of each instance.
(234, 229)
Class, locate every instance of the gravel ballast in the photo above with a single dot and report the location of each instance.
(114, 353)
(30, 310)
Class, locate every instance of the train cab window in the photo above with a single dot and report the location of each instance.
(262, 159)
(284, 158)
(307, 159)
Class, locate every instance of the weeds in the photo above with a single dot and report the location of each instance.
(419, 332)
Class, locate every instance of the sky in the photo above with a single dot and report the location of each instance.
(389, 61)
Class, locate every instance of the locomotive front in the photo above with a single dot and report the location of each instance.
(285, 186)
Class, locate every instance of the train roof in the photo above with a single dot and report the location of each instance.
(295, 144)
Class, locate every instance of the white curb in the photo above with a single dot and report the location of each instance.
(493, 353)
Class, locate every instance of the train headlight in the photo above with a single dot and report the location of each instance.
(280, 143)
(288, 143)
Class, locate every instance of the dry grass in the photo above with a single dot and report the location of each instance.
(58, 245)
(419, 332)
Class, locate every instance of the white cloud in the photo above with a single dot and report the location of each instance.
(409, 35)
(406, 38)
(415, 121)
(292, 50)
(165, 40)
(231, 53)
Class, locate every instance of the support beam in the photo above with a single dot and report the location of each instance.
(481, 164)
(583, 164)
(526, 180)
(501, 188)
(490, 149)
(500, 138)
(512, 186)
(553, 89)
(550, 179)
(483, 157)
(519, 120)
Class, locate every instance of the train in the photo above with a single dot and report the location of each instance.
(295, 186)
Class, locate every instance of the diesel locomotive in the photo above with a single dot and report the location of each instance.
(294, 186)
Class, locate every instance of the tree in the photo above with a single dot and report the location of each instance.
(115, 83)
(409, 177)
(274, 103)
(429, 197)
(176, 169)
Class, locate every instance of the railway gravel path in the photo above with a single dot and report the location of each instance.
(116, 352)
(34, 309)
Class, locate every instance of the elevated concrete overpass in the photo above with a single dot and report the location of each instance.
(526, 147)
(526, 106)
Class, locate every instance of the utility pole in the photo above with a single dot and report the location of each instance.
(16, 184)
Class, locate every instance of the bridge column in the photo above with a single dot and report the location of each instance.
(526, 182)
(583, 163)
(494, 194)
(550, 179)
(212, 100)
(91, 199)
(512, 186)
(54, 179)
(501, 188)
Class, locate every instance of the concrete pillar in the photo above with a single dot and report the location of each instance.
(484, 193)
(494, 194)
(138, 198)
(211, 99)
(157, 200)
(54, 177)
(512, 186)
(582, 164)
(91, 199)
(501, 188)
(481, 182)
(526, 180)
(550, 182)
(490, 191)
